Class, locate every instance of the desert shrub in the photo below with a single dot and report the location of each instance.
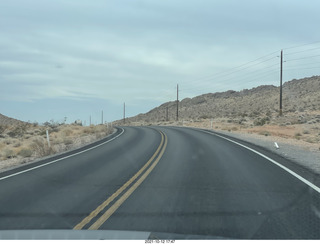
(8, 141)
(67, 132)
(17, 131)
(261, 121)
(254, 114)
(11, 134)
(268, 114)
(204, 116)
(297, 136)
(306, 132)
(54, 129)
(17, 144)
(25, 152)
(98, 136)
(242, 115)
(2, 145)
(241, 121)
(88, 130)
(265, 133)
(8, 153)
(310, 140)
(67, 141)
(2, 129)
(40, 147)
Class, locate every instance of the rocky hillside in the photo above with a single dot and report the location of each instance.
(4, 120)
(298, 96)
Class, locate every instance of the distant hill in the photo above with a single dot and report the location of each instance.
(298, 95)
(4, 120)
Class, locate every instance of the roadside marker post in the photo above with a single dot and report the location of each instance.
(48, 139)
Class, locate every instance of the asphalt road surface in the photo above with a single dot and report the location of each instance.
(164, 180)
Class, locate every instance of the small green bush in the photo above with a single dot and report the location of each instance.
(261, 121)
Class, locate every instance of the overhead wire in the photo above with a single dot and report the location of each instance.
(303, 58)
(312, 49)
(225, 78)
(228, 71)
(244, 78)
(302, 45)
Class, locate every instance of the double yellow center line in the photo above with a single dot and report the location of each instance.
(155, 159)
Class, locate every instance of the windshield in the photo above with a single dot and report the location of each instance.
(172, 119)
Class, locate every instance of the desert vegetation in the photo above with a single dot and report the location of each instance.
(22, 142)
(253, 111)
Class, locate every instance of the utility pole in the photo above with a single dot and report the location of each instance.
(124, 113)
(177, 102)
(167, 113)
(281, 64)
(90, 121)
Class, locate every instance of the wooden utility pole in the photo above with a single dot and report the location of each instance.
(177, 102)
(167, 113)
(281, 64)
(124, 113)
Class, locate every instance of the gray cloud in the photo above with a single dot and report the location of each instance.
(136, 50)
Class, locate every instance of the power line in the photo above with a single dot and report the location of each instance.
(303, 58)
(307, 44)
(236, 69)
(302, 64)
(228, 71)
(311, 49)
(240, 77)
(298, 68)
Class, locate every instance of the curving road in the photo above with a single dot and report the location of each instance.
(164, 180)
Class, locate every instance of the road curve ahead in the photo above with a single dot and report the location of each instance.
(164, 180)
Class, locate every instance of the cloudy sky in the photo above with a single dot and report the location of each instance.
(76, 58)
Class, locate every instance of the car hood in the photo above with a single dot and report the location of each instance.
(97, 235)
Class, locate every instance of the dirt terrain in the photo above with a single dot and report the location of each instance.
(22, 142)
(252, 112)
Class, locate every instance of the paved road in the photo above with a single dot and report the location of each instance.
(164, 180)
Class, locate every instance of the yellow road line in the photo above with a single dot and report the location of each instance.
(102, 206)
(124, 197)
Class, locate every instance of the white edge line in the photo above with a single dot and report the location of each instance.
(314, 187)
(54, 161)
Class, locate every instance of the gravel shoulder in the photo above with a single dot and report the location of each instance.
(302, 153)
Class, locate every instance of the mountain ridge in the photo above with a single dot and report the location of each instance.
(298, 95)
(5, 120)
